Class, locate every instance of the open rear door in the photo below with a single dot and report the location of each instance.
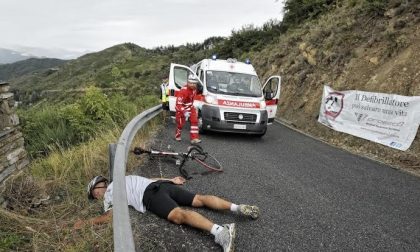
(178, 76)
(271, 90)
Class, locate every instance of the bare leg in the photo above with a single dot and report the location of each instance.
(210, 201)
(190, 218)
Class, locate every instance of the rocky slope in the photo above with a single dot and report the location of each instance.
(351, 47)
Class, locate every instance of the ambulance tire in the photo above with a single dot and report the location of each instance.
(201, 130)
(262, 134)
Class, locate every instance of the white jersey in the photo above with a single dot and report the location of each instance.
(135, 186)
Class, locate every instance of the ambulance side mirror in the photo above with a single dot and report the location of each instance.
(268, 95)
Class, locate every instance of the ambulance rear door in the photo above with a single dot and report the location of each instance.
(178, 76)
(271, 91)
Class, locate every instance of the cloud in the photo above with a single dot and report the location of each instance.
(80, 25)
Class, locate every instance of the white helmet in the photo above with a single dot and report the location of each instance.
(96, 180)
(192, 79)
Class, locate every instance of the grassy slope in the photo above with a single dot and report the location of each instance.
(62, 178)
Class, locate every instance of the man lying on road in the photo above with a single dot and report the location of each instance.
(163, 198)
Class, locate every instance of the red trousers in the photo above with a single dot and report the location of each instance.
(180, 121)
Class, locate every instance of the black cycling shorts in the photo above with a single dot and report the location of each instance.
(161, 197)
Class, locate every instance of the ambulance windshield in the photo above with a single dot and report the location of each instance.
(238, 84)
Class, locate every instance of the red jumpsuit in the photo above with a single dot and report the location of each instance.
(183, 106)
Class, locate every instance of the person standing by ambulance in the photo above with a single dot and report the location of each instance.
(164, 94)
(185, 109)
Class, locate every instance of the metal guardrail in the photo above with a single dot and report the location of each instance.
(123, 236)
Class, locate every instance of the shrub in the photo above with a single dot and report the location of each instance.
(55, 126)
(297, 11)
(10, 241)
(44, 128)
(374, 7)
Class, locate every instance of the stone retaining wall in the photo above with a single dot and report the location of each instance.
(13, 156)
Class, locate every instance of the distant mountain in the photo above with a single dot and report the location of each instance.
(32, 65)
(10, 56)
(127, 65)
(50, 52)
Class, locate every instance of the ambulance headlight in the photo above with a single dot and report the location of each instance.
(262, 104)
(211, 99)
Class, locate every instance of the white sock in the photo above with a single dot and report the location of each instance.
(216, 229)
(234, 208)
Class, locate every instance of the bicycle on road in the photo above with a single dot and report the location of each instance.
(194, 152)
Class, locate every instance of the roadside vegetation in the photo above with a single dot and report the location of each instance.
(368, 45)
(49, 126)
(45, 200)
(68, 144)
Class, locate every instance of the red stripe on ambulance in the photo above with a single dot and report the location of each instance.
(272, 102)
(238, 104)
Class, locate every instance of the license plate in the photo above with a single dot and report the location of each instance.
(239, 126)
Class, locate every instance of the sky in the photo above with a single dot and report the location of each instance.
(70, 28)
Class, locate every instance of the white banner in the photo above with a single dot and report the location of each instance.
(388, 119)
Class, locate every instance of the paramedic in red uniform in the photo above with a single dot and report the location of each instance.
(185, 109)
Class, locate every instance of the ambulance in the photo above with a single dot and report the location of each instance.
(232, 98)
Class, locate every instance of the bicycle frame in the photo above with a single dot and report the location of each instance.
(166, 153)
(182, 157)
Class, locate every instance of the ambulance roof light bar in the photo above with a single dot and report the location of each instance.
(214, 57)
(247, 61)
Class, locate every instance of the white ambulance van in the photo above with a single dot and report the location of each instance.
(233, 99)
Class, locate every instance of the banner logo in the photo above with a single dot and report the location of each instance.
(334, 104)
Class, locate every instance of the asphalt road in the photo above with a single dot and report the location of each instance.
(312, 197)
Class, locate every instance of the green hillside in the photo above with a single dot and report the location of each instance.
(29, 66)
(122, 66)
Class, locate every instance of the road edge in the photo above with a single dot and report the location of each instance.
(292, 126)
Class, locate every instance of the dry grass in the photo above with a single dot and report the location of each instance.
(46, 199)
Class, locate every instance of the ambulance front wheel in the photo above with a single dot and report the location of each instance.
(201, 129)
(263, 133)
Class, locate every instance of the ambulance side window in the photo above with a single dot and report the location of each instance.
(271, 88)
(202, 76)
(180, 77)
(198, 71)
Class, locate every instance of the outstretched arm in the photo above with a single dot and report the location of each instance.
(176, 180)
(104, 218)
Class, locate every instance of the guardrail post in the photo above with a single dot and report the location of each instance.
(112, 148)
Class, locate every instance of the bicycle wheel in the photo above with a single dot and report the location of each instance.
(205, 160)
